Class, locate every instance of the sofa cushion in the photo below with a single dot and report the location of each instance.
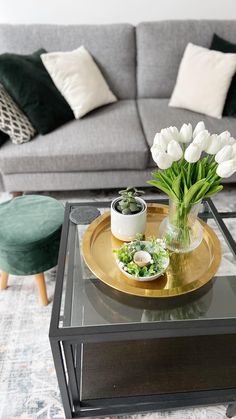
(220, 44)
(112, 47)
(3, 138)
(160, 47)
(59, 181)
(31, 87)
(13, 121)
(109, 138)
(203, 80)
(78, 78)
(155, 115)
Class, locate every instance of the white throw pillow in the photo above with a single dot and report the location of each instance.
(203, 80)
(78, 79)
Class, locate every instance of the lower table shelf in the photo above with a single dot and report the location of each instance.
(158, 366)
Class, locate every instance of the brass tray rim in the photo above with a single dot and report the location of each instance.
(140, 292)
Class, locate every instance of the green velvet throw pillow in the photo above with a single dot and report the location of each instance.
(220, 44)
(29, 84)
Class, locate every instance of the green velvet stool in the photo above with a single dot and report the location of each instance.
(30, 231)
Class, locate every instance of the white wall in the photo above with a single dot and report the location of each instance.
(107, 11)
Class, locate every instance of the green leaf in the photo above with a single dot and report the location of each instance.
(202, 192)
(155, 175)
(170, 173)
(176, 186)
(184, 180)
(199, 170)
(213, 178)
(166, 179)
(189, 197)
(165, 182)
(124, 204)
(175, 168)
(203, 169)
(194, 174)
(189, 175)
(160, 186)
(133, 207)
(126, 211)
(217, 182)
(213, 190)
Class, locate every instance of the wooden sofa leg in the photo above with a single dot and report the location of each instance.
(40, 280)
(16, 194)
(3, 280)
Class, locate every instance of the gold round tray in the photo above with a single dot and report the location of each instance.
(186, 272)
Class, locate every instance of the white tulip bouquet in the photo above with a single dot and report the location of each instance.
(193, 163)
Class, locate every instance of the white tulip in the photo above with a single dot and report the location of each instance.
(225, 135)
(174, 150)
(226, 139)
(226, 153)
(186, 133)
(163, 160)
(231, 141)
(215, 144)
(199, 127)
(170, 133)
(156, 138)
(156, 150)
(226, 168)
(202, 139)
(234, 150)
(174, 132)
(160, 141)
(192, 153)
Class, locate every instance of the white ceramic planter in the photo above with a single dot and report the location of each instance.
(126, 227)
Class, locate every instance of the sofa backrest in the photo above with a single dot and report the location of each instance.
(160, 47)
(112, 46)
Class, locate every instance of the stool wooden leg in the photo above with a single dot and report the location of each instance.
(40, 280)
(3, 280)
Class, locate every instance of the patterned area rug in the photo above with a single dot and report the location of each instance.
(28, 388)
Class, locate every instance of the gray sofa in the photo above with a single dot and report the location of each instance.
(110, 146)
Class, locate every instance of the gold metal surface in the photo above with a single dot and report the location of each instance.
(186, 272)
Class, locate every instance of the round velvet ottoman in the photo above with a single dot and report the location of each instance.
(30, 231)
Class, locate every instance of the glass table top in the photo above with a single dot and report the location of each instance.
(86, 301)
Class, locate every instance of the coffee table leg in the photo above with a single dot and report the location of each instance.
(70, 361)
(61, 377)
(231, 410)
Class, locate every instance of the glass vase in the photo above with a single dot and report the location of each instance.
(181, 230)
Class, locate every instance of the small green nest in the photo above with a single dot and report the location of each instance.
(155, 248)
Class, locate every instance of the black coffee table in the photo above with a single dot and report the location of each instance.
(117, 354)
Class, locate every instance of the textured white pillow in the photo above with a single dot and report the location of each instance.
(203, 80)
(78, 79)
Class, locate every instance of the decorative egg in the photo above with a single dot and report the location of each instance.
(142, 258)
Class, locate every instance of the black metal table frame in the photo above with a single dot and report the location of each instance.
(64, 340)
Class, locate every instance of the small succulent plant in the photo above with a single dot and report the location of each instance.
(128, 204)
